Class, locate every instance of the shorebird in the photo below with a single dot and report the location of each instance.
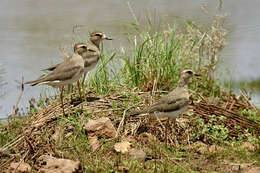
(64, 73)
(91, 56)
(174, 103)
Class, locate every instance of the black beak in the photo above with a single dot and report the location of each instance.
(107, 38)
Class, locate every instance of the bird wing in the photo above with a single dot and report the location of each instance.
(64, 74)
(168, 105)
(164, 105)
(57, 75)
(51, 68)
(64, 71)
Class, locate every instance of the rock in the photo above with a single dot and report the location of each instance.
(213, 100)
(243, 167)
(198, 147)
(248, 146)
(137, 154)
(58, 133)
(214, 148)
(146, 138)
(101, 127)
(253, 170)
(55, 165)
(20, 167)
(122, 147)
(183, 122)
(93, 141)
(122, 169)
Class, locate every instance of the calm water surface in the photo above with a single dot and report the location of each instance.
(31, 33)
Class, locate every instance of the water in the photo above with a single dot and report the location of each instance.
(31, 33)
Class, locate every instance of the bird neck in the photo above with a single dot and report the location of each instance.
(183, 83)
(95, 42)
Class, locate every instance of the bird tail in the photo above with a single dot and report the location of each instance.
(35, 82)
(137, 112)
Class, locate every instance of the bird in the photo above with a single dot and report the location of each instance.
(91, 56)
(64, 73)
(79, 48)
(174, 103)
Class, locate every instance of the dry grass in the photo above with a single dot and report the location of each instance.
(38, 135)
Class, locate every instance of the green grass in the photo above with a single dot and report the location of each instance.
(154, 59)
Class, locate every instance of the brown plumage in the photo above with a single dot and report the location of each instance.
(91, 56)
(65, 73)
(174, 103)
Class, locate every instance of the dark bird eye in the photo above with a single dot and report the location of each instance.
(99, 35)
(189, 72)
(84, 47)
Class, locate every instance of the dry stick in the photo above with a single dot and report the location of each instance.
(102, 111)
(61, 97)
(79, 90)
(83, 88)
(19, 98)
(12, 143)
(21, 161)
(6, 162)
(244, 95)
(121, 123)
(232, 104)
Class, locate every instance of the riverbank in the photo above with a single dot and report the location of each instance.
(219, 132)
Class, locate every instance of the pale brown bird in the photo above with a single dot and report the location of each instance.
(64, 73)
(174, 103)
(91, 56)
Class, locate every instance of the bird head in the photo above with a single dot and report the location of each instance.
(79, 48)
(185, 76)
(96, 37)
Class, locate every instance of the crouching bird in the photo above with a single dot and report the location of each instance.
(172, 104)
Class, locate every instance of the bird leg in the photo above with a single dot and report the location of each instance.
(174, 132)
(166, 131)
(70, 91)
(83, 88)
(61, 98)
(79, 90)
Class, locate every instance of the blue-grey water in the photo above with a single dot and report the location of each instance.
(32, 31)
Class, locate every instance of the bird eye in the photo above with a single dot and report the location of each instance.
(189, 72)
(98, 34)
(84, 47)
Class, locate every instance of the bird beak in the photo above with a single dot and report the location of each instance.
(106, 38)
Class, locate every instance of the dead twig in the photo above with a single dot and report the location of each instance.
(121, 123)
(15, 109)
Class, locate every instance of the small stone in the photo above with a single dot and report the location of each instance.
(20, 167)
(137, 154)
(214, 148)
(122, 147)
(248, 146)
(102, 127)
(122, 169)
(253, 170)
(55, 165)
(93, 141)
(57, 135)
(198, 147)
